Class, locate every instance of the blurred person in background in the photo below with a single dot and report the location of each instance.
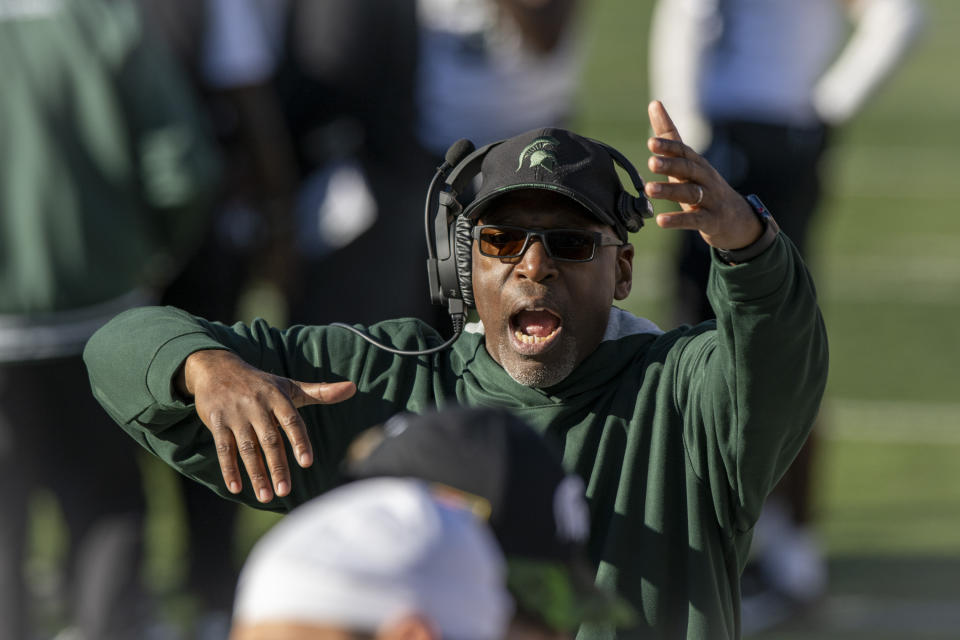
(490, 69)
(105, 175)
(227, 49)
(537, 511)
(344, 77)
(382, 558)
(320, 99)
(761, 85)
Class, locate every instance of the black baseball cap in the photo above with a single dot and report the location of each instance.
(536, 510)
(567, 163)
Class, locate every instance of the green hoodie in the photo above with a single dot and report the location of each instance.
(679, 436)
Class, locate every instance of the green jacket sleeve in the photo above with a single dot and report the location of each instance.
(108, 170)
(173, 150)
(749, 392)
(132, 360)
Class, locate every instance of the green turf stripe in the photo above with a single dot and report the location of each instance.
(892, 421)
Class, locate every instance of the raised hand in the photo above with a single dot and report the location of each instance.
(708, 204)
(246, 409)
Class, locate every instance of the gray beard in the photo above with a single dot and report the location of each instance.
(545, 375)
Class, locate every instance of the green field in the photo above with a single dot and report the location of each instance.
(888, 270)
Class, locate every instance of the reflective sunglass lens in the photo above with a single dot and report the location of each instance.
(502, 242)
(570, 245)
(561, 244)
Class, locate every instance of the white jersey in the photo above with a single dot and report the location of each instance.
(778, 61)
(768, 58)
(476, 79)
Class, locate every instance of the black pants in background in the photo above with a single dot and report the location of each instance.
(780, 164)
(54, 435)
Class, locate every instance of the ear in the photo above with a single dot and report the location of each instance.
(410, 627)
(624, 272)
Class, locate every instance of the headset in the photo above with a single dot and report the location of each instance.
(449, 237)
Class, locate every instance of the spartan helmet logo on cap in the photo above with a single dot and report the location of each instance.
(540, 153)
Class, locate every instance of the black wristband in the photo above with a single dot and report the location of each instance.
(761, 244)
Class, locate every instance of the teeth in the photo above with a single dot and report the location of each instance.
(525, 339)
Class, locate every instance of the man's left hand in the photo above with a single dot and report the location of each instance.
(709, 205)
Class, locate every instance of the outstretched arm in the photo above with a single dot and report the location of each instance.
(199, 394)
(749, 388)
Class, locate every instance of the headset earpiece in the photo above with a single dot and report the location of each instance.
(631, 209)
(450, 269)
(463, 254)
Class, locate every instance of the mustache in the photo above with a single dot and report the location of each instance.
(529, 289)
(542, 294)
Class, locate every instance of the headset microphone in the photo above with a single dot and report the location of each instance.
(457, 152)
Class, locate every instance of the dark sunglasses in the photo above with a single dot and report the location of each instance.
(569, 245)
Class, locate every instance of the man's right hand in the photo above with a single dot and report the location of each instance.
(246, 408)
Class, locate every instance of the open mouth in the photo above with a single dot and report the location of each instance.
(534, 329)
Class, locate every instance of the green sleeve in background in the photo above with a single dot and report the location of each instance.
(108, 170)
(174, 152)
